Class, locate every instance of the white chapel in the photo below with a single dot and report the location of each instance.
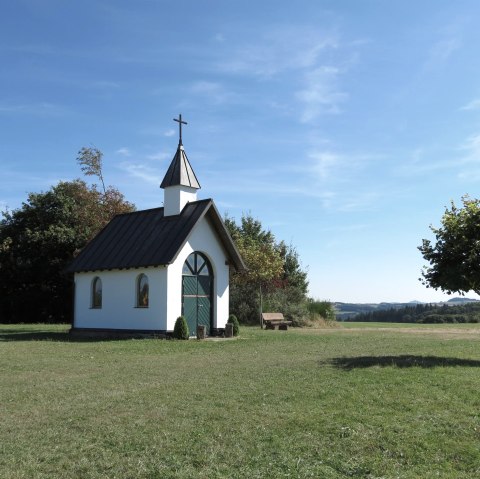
(146, 268)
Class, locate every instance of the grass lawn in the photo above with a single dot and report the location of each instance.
(364, 402)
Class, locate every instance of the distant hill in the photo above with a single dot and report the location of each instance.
(462, 300)
(445, 312)
(349, 310)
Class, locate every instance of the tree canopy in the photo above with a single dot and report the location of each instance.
(454, 257)
(38, 240)
(273, 270)
(258, 249)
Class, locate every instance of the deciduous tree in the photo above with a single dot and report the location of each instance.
(90, 161)
(454, 256)
(273, 273)
(38, 240)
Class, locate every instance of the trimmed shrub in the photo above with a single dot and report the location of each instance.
(236, 326)
(180, 331)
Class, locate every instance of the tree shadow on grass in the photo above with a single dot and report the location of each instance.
(402, 361)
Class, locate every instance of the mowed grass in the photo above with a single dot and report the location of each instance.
(336, 403)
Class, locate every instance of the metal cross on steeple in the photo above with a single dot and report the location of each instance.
(180, 123)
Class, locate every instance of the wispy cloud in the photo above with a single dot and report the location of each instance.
(449, 41)
(16, 182)
(142, 172)
(321, 93)
(159, 156)
(473, 105)
(215, 92)
(326, 178)
(417, 162)
(323, 163)
(277, 50)
(31, 49)
(463, 162)
(157, 130)
(361, 201)
(103, 84)
(442, 51)
(308, 60)
(472, 145)
(36, 109)
(327, 165)
(349, 228)
(471, 158)
(124, 152)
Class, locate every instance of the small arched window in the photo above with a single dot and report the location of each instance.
(96, 293)
(142, 291)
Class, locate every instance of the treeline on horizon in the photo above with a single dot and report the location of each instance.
(423, 313)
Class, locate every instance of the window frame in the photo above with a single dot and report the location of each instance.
(138, 294)
(96, 294)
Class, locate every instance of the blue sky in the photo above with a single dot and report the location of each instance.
(345, 126)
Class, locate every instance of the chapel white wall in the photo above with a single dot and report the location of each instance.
(165, 290)
(202, 239)
(119, 311)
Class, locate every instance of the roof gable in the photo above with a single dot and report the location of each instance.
(148, 238)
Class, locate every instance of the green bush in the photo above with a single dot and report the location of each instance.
(180, 331)
(323, 308)
(244, 303)
(285, 301)
(236, 326)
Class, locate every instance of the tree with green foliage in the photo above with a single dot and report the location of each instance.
(258, 250)
(274, 275)
(38, 240)
(293, 275)
(288, 294)
(180, 330)
(264, 265)
(454, 257)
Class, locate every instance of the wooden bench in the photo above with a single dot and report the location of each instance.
(275, 321)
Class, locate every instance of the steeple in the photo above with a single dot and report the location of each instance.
(180, 183)
(180, 172)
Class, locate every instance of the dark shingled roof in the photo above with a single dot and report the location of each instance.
(148, 238)
(180, 172)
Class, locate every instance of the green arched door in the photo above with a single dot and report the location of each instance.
(197, 287)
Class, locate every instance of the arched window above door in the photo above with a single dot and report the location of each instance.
(197, 265)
